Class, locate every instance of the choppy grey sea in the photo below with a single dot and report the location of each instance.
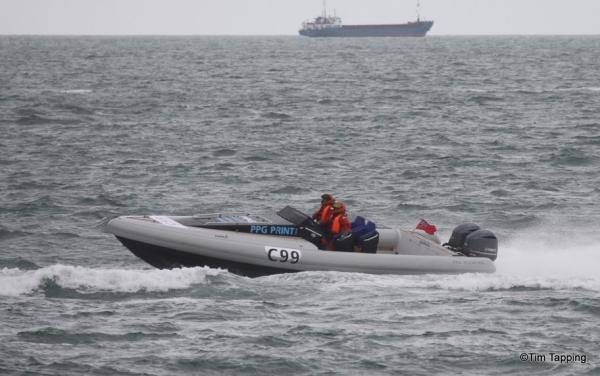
(500, 131)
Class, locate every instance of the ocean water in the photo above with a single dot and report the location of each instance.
(501, 131)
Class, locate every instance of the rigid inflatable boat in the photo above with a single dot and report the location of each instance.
(290, 241)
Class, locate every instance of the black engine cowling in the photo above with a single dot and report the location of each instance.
(481, 243)
(470, 240)
(459, 235)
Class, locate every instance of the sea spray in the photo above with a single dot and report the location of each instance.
(14, 282)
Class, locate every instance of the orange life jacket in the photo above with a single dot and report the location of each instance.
(339, 224)
(323, 214)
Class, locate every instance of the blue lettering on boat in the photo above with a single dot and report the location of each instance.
(283, 230)
(258, 229)
(274, 230)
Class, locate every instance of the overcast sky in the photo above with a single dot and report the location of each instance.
(282, 17)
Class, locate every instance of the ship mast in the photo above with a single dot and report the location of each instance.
(418, 10)
(324, 8)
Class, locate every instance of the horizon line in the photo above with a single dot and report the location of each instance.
(273, 35)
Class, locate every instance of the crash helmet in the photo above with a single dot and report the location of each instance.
(339, 207)
(326, 198)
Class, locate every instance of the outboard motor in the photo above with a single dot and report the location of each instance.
(457, 240)
(470, 240)
(481, 243)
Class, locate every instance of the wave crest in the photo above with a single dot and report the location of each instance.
(15, 282)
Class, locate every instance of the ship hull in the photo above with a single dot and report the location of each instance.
(415, 29)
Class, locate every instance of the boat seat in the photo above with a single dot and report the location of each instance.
(343, 242)
(366, 237)
(362, 228)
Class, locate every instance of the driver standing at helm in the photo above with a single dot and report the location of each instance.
(324, 214)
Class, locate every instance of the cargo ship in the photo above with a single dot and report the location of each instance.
(331, 26)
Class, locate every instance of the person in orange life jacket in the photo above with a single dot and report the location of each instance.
(339, 222)
(323, 215)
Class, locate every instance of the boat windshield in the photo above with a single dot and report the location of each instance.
(294, 216)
